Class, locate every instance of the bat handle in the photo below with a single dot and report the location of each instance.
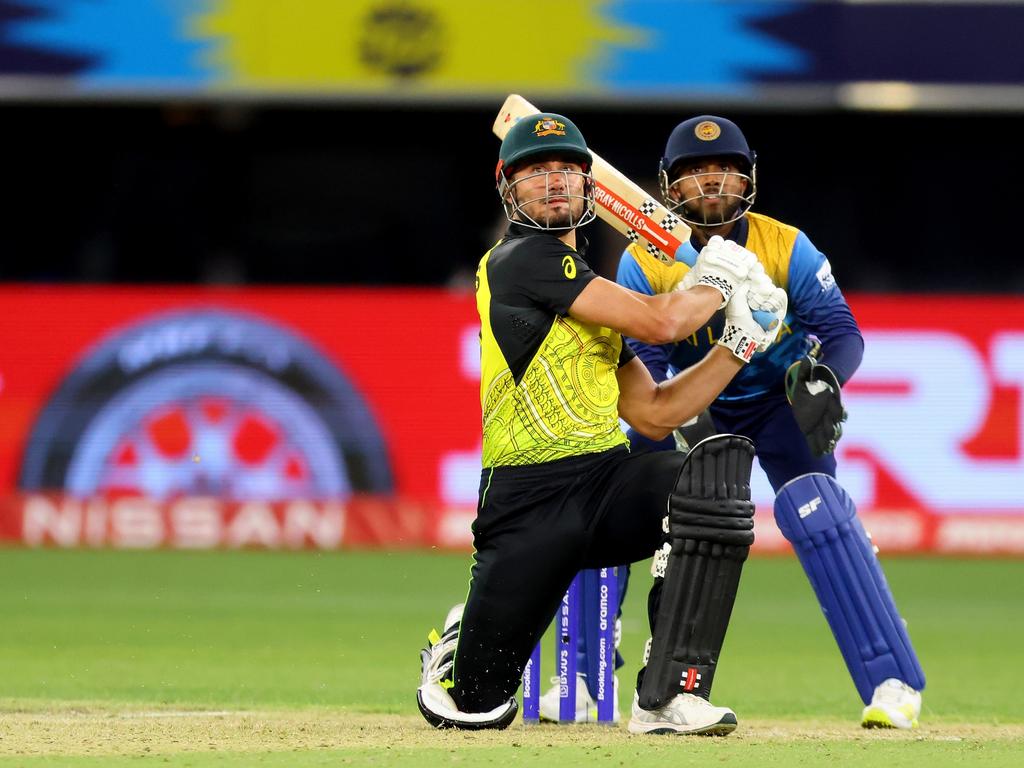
(766, 320)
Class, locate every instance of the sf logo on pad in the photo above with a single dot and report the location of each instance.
(806, 509)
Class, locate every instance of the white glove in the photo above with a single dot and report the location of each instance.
(743, 336)
(764, 296)
(777, 303)
(763, 292)
(723, 265)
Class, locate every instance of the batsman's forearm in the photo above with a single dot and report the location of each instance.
(685, 312)
(689, 392)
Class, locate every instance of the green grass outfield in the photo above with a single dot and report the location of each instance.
(306, 659)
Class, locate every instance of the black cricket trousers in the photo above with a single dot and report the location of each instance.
(536, 527)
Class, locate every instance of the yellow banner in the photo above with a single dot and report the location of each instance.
(366, 45)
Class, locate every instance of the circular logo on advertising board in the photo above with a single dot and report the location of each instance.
(401, 39)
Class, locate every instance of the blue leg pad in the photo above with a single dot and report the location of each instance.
(819, 519)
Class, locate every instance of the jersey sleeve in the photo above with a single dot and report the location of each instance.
(626, 353)
(654, 356)
(551, 273)
(817, 302)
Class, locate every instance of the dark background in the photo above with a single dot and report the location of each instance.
(322, 194)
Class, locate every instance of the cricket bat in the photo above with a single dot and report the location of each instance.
(623, 204)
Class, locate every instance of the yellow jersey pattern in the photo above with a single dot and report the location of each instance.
(786, 255)
(771, 240)
(565, 402)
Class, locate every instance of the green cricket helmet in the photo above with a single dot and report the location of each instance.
(530, 138)
(545, 133)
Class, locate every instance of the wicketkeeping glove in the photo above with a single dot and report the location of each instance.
(813, 391)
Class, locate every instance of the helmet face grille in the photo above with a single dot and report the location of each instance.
(709, 204)
(537, 209)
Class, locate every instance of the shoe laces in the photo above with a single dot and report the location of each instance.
(696, 701)
(439, 658)
(702, 702)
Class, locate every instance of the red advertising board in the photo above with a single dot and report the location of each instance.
(281, 417)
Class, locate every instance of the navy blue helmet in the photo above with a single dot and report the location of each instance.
(707, 136)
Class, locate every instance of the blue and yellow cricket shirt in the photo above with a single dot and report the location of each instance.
(816, 307)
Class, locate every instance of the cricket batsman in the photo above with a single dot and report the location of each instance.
(560, 490)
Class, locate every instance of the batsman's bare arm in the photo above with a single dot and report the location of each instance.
(655, 409)
(658, 319)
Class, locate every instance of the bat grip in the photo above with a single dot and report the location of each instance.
(764, 319)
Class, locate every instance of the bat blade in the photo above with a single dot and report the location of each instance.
(620, 202)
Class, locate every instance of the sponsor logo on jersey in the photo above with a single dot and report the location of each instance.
(707, 130)
(824, 275)
(569, 266)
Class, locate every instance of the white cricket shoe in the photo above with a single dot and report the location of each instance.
(894, 705)
(685, 714)
(454, 616)
(437, 658)
(586, 707)
(435, 703)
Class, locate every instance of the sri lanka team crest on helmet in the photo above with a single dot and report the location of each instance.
(707, 130)
(548, 126)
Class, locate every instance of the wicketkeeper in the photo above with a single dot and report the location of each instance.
(788, 401)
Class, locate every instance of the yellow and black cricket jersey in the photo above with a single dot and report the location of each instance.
(547, 381)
